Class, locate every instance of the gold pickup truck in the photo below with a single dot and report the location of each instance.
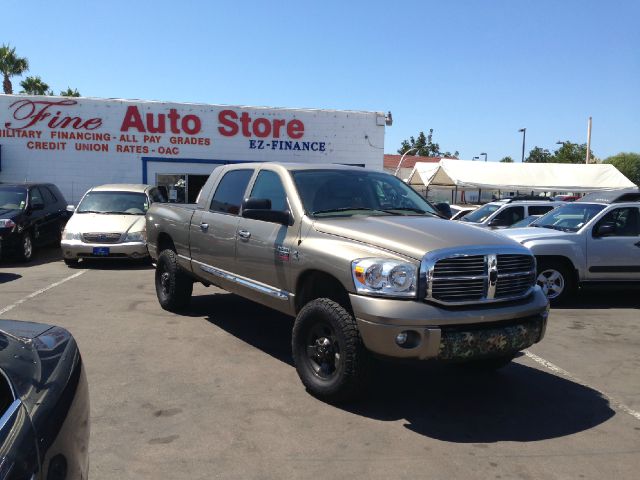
(364, 264)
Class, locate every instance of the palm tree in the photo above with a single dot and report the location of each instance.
(70, 93)
(10, 66)
(34, 86)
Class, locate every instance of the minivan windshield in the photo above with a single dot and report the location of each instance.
(327, 192)
(481, 214)
(569, 218)
(122, 203)
(12, 198)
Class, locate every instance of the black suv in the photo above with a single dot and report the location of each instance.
(31, 215)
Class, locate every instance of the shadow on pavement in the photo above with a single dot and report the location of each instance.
(113, 264)
(604, 297)
(8, 277)
(41, 256)
(518, 403)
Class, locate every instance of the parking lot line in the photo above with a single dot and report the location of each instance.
(561, 372)
(38, 292)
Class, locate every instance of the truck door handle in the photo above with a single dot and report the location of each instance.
(204, 227)
(244, 234)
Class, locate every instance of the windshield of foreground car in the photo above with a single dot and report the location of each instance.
(569, 218)
(481, 214)
(352, 192)
(13, 198)
(122, 203)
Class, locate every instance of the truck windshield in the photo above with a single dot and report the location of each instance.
(352, 192)
(569, 218)
(481, 214)
(13, 198)
(123, 203)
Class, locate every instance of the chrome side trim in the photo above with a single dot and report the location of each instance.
(184, 257)
(491, 252)
(245, 282)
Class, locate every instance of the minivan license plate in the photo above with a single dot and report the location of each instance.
(101, 251)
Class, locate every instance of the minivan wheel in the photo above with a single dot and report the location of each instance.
(26, 247)
(556, 281)
(328, 352)
(173, 286)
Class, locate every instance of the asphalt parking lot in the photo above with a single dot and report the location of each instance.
(213, 393)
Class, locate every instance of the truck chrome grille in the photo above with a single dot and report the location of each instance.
(459, 278)
(101, 237)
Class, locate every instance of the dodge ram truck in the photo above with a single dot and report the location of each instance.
(364, 264)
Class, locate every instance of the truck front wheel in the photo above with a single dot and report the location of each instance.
(328, 352)
(173, 287)
(556, 281)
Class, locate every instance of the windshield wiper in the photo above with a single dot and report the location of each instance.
(407, 209)
(346, 209)
(89, 211)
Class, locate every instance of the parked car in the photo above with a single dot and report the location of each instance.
(504, 213)
(593, 240)
(44, 404)
(361, 260)
(566, 198)
(525, 222)
(109, 223)
(460, 211)
(31, 215)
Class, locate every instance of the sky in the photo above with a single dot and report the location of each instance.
(473, 71)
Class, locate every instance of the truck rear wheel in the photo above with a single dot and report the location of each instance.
(328, 352)
(173, 286)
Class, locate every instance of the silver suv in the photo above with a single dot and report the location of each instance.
(504, 213)
(595, 239)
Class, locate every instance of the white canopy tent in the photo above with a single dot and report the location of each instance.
(525, 177)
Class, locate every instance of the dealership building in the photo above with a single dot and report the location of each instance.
(77, 143)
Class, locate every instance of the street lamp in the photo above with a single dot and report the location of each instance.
(485, 156)
(395, 174)
(524, 134)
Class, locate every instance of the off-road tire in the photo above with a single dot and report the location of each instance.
(25, 249)
(173, 286)
(338, 378)
(565, 277)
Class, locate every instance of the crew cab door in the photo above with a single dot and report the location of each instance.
(264, 248)
(613, 247)
(213, 231)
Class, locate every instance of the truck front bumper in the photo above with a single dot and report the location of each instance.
(76, 249)
(449, 334)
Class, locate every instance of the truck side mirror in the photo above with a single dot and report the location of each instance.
(260, 209)
(604, 229)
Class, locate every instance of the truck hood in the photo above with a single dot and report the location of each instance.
(410, 235)
(526, 234)
(105, 223)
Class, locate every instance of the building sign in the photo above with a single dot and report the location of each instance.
(88, 141)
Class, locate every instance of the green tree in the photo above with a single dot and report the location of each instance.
(506, 160)
(70, 93)
(425, 147)
(572, 153)
(628, 164)
(10, 66)
(539, 155)
(34, 86)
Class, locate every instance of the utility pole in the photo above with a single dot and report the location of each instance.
(524, 134)
(589, 140)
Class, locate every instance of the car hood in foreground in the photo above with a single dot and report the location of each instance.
(412, 236)
(105, 223)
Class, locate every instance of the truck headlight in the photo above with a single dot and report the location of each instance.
(384, 277)
(66, 235)
(136, 236)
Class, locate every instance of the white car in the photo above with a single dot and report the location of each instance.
(593, 240)
(504, 213)
(459, 211)
(109, 223)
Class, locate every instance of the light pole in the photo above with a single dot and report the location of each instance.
(395, 174)
(485, 156)
(524, 134)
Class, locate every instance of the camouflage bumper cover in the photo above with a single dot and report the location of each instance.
(472, 343)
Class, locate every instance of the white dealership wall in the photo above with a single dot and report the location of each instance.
(78, 143)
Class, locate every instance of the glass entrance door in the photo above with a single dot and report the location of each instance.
(182, 187)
